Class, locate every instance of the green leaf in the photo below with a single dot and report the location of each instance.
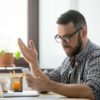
(17, 54)
(2, 52)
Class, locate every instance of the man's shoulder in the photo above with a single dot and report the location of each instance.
(93, 45)
(94, 49)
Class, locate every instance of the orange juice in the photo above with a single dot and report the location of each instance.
(16, 85)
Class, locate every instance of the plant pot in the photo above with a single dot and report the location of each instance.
(6, 60)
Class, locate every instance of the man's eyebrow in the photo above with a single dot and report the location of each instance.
(69, 34)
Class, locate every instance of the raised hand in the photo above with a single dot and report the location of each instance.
(29, 53)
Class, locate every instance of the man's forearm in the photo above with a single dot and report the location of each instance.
(71, 90)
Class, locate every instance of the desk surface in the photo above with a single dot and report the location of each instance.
(49, 96)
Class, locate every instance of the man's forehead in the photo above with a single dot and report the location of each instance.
(68, 28)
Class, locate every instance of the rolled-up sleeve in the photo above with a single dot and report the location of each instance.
(93, 75)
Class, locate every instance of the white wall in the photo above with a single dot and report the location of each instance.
(91, 11)
(51, 53)
(13, 23)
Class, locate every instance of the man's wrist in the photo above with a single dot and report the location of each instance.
(33, 65)
(51, 85)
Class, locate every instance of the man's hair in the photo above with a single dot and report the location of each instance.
(72, 16)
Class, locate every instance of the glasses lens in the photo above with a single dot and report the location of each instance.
(58, 38)
(67, 39)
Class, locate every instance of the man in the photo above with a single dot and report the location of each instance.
(79, 75)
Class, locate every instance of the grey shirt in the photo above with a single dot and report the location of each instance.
(88, 64)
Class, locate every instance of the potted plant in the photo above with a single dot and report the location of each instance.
(7, 58)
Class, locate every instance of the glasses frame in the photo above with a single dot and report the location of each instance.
(66, 38)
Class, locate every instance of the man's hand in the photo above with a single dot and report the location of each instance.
(40, 83)
(38, 80)
(30, 54)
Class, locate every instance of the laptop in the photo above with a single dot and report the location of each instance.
(10, 94)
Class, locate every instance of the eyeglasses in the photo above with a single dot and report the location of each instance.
(67, 37)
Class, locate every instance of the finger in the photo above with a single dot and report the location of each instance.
(22, 47)
(30, 81)
(30, 84)
(32, 77)
(37, 73)
(28, 75)
(21, 44)
(31, 45)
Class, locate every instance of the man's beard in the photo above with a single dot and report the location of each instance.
(78, 48)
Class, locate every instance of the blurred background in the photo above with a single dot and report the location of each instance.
(36, 20)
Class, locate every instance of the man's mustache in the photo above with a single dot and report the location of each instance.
(67, 46)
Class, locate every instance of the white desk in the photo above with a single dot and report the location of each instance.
(49, 96)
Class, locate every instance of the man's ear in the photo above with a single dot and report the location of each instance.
(84, 31)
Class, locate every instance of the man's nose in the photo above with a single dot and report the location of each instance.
(64, 41)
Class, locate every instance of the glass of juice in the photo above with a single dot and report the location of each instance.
(16, 84)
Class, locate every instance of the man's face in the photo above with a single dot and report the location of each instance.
(74, 45)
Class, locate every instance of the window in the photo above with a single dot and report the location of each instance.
(13, 23)
(18, 18)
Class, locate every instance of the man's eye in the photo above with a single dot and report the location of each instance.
(68, 36)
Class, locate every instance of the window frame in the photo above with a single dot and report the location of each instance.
(33, 33)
